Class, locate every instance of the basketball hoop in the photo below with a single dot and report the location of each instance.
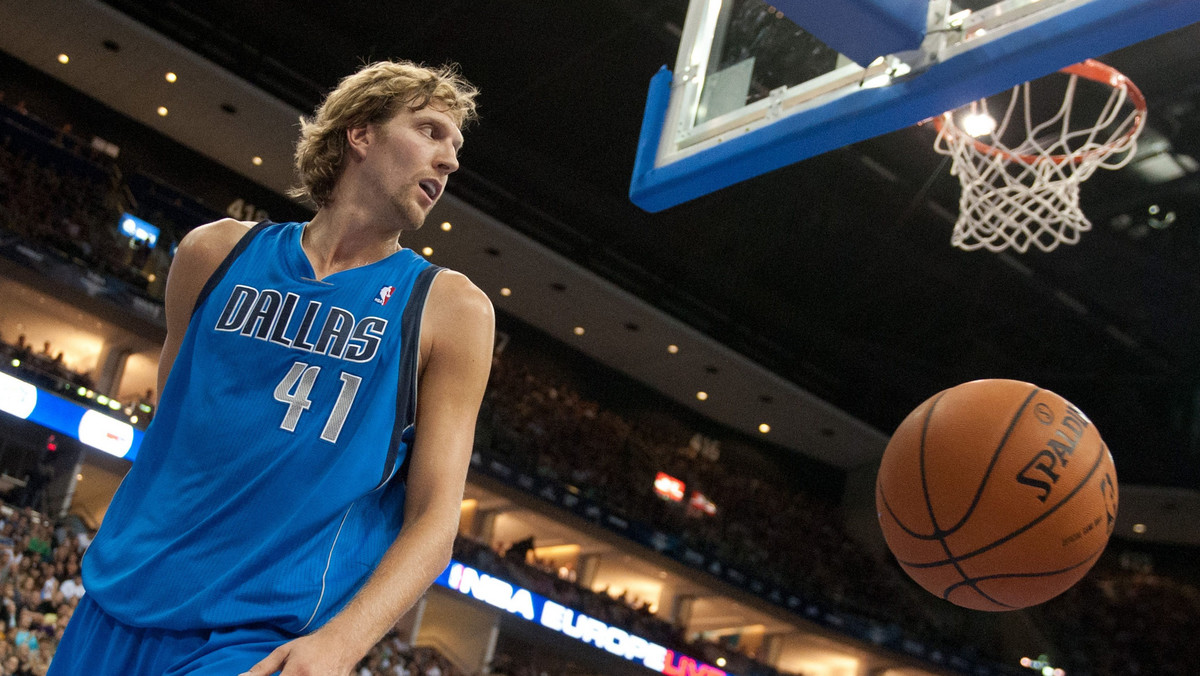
(1022, 188)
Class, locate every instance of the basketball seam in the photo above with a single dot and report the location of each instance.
(921, 467)
(992, 545)
(888, 505)
(1012, 424)
(1090, 559)
(975, 501)
(941, 538)
(906, 529)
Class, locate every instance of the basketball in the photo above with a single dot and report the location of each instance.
(996, 495)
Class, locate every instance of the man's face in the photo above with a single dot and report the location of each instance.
(412, 155)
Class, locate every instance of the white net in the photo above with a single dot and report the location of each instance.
(1020, 178)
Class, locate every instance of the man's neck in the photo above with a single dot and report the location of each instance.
(343, 239)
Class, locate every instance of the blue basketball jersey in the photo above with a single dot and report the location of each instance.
(269, 484)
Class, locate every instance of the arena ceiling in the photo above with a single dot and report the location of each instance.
(835, 275)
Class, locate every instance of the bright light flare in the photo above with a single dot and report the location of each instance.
(978, 124)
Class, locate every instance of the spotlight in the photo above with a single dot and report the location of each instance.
(978, 124)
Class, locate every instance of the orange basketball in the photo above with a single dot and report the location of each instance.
(996, 495)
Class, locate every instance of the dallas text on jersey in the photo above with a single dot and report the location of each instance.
(268, 315)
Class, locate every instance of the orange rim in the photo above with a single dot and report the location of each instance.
(1090, 69)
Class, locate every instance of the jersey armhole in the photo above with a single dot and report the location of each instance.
(410, 352)
(219, 273)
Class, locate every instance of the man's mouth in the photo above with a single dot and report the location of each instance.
(431, 188)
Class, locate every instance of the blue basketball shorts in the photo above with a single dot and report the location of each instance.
(96, 644)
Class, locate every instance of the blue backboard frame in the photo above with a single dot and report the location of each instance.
(1036, 46)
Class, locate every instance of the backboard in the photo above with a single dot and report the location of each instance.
(758, 86)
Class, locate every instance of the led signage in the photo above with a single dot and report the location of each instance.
(535, 608)
(28, 402)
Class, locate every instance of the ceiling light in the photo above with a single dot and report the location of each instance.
(673, 349)
(171, 77)
(446, 226)
(427, 251)
(162, 111)
(578, 330)
(63, 58)
(506, 292)
(79, 477)
(764, 428)
(702, 395)
(256, 161)
(720, 661)
(1139, 528)
(1165, 221)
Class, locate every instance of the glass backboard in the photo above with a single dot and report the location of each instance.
(754, 90)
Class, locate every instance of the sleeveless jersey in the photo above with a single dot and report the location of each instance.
(270, 482)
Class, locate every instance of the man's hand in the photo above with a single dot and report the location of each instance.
(311, 655)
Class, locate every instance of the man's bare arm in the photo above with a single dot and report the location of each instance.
(199, 255)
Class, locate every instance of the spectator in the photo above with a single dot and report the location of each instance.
(72, 588)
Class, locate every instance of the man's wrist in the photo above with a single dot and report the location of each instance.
(347, 637)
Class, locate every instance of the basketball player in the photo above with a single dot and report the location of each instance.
(300, 485)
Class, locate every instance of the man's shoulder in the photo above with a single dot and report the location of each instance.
(459, 315)
(455, 289)
(217, 236)
(202, 250)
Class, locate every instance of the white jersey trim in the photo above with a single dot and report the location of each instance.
(328, 561)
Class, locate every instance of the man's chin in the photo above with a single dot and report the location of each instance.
(411, 217)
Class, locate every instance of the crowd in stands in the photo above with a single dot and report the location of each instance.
(46, 361)
(51, 373)
(543, 426)
(64, 194)
(39, 587)
(393, 656)
(80, 221)
(1126, 620)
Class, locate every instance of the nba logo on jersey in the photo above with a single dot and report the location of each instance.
(384, 294)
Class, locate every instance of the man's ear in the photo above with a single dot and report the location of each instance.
(358, 138)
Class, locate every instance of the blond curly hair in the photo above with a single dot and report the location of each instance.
(372, 95)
